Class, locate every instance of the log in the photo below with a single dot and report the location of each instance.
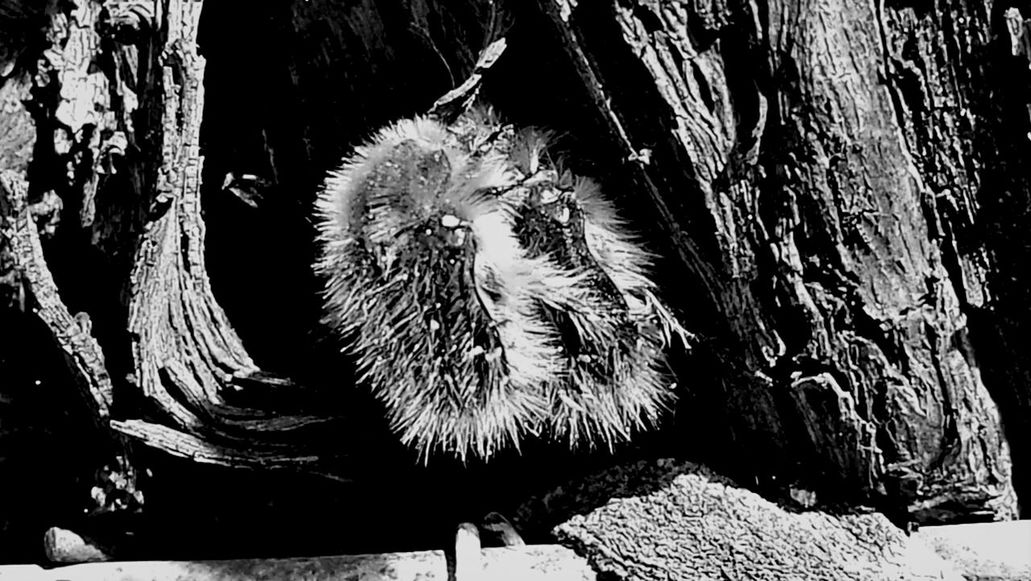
(537, 563)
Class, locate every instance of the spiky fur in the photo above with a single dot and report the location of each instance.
(616, 329)
(478, 335)
(446, 337)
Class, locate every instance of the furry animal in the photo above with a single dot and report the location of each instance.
(486, 294)
(615, 330)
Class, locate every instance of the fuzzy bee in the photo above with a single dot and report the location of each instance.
(615, 330)
(486, 295)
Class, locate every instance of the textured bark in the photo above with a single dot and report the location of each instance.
(105, 237)
(838, 186)
(128, 134)
(839, 320)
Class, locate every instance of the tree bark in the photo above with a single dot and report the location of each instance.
(810, 202)
(838, 187)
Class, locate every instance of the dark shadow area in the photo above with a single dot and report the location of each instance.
(1001, 334)
(47, 444)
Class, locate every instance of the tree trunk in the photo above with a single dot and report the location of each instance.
(838, 188)
(823, 196)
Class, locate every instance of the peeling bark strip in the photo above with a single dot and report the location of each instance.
(19, 240)
(852, 346)
(118, 126)
(72, 333)
(185, 353)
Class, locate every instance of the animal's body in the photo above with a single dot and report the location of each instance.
(486, 294)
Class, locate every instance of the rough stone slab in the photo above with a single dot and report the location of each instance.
(675, 520)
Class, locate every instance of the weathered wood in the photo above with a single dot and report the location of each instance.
(204, 451)
(185, 351)
(952, 76)
(124, 140)
(532, 563)
(843, 356)
(71, 333)
(17, 134)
